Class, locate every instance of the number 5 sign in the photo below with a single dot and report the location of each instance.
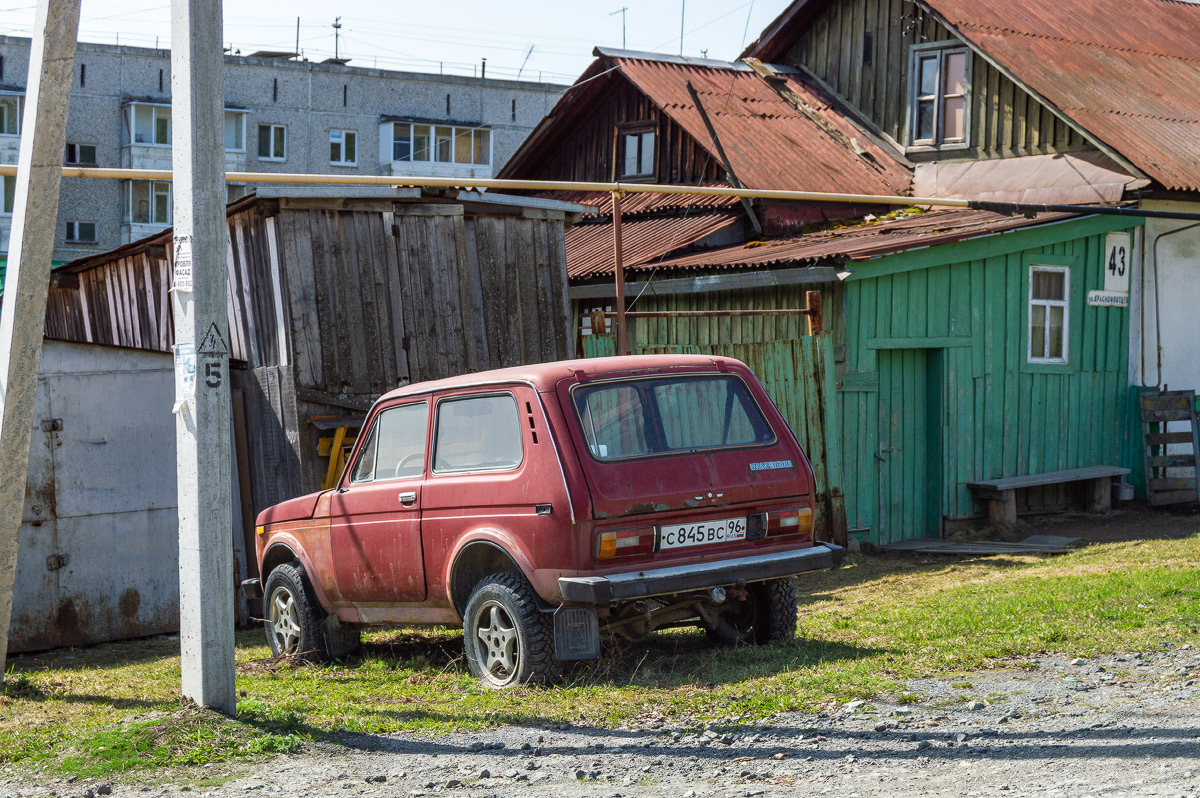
(1116, 263)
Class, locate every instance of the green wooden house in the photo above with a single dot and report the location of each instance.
(958, 347)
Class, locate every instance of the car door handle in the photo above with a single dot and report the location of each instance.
(408, 497)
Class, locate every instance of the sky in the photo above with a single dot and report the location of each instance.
(451, 36)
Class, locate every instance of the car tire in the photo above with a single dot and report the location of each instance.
(296, 625)
(766, 616)
(507, 639)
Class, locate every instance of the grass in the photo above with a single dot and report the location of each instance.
(864, 630)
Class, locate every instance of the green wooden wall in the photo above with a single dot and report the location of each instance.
(861, 48)
(936, 391)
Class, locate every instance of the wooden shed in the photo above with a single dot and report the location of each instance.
(335, 300)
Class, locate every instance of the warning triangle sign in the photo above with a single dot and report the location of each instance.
(213, 343)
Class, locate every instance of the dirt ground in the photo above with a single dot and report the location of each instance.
(1117, 725)
(1124, 725)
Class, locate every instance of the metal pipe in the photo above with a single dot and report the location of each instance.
(625, 188)
(619, 274)
(670, 314)
(1157, 310)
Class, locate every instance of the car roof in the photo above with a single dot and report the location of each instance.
(544, 376)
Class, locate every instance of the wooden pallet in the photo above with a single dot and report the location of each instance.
(1159, 410)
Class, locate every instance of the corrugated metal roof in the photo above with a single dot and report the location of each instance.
(1126, 71)
(859, 242)
(590, 246)
(635, 204)
(770, 143)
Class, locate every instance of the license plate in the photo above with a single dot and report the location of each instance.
(702, 532)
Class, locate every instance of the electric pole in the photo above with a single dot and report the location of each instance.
(27, 284)
(202, 406)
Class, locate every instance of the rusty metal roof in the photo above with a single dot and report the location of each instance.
(858, 242)
(770, 143)
(590, 246)
(1126, 71)
(639, 204)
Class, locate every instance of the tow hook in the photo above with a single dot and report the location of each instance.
(738, 592)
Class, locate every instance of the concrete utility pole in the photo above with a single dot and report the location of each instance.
(201, 355)
(34, 220)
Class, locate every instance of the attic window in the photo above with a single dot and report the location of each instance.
(636, 145)
(939, 98)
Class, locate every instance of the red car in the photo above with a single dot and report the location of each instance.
(545, 507)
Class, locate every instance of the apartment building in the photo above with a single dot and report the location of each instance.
(281, 115)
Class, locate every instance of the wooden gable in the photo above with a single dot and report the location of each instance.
(585, 148)
(863, 50)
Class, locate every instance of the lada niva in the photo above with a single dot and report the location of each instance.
(548, 507)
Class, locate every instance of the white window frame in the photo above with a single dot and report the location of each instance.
(78, 161)
(20, 110)
(153, 184)
(939, 50)
(157, 111)
(243, 115)
(457, 133)
(341, 144)
(1064, 303)
(8, 180)
(75, 239)
(282, 129)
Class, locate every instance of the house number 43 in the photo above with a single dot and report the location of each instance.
(1116, 263)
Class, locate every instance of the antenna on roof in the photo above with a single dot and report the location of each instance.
(297, 34)
(621, 11)
(682, 10)
(526, 61)
(337, 29)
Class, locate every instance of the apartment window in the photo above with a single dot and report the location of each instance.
(272, 142)
(149, 202)
(148, 124)
(10, 193)
(81, 154)
(441, 143)
(637, 153)
(938, 104)
(235, 131)
(343, 147)
(11, 108)
(81, 232)
(1049, 309)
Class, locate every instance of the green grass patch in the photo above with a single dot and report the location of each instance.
(864, 631)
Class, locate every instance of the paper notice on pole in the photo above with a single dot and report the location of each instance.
(185, 375)
(182, 280)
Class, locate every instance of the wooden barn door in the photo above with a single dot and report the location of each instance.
(910, 444)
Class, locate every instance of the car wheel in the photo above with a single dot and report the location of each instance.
(768, 614)
(296, 625)
(507, 639)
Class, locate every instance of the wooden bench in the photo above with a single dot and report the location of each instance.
(1001, 494)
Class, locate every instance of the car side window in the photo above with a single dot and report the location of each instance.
(395, 447)
(478, 433)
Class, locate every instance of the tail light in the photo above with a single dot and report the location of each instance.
(785, 522)
(625, 542)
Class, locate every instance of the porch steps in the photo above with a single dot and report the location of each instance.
(1163, 415)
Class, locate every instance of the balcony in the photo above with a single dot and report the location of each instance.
(438, 169)
(158, 156)
(131, 231)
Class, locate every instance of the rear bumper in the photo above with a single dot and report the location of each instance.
(701, 576)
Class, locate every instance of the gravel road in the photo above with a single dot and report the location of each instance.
(1113, 725)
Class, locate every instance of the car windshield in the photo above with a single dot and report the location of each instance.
(668, 415)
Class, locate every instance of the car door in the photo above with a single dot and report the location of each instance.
(375, 515)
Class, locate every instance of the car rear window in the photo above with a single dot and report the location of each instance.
(668, 415)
